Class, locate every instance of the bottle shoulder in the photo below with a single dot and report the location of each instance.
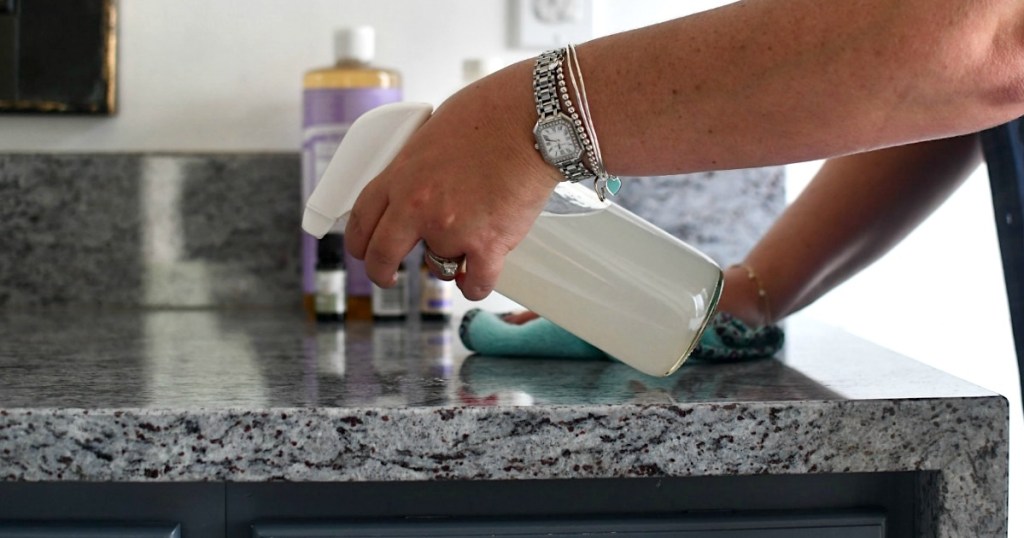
(352, 76)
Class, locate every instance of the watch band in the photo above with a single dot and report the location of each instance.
(547, 73)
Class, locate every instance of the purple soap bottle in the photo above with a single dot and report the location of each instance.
(332, 98)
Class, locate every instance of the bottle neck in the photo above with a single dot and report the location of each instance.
(351, 63)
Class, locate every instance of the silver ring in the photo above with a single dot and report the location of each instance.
(449, 267)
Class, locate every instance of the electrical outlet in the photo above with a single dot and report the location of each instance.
(550, 23)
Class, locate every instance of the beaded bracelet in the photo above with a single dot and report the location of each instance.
(605, 184)
(766, 310)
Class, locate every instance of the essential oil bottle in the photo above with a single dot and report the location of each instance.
(437, 297)
(333, 97)
(329, 302)
(392, 304)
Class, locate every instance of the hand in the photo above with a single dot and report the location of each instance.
(740, 298)
(468, 183)
(519, 318)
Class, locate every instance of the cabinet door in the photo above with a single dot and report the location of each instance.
(844, 525)
(87, 530)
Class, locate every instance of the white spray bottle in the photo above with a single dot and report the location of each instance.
(604, 274)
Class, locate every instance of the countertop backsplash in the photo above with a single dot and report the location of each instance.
(222, 229)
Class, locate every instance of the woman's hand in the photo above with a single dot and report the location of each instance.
(519, 318)
(469, 183)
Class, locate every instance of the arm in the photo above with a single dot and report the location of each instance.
(754, 83)
(781, 81)
(855, 210)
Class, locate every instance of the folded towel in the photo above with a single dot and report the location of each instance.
(726, 339)
(489, 334)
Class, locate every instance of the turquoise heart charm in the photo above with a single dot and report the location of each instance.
(613, 185)
(607, 186)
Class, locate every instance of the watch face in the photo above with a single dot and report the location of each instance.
(557, 141)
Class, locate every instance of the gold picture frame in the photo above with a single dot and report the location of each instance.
(58, 57)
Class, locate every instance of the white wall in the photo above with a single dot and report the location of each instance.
(200, 75)
(939, 297)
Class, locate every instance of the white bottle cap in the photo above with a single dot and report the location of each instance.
(477, 68)
(354, 43)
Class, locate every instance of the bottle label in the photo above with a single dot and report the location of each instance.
(326, 117)
(392, 302)
(330, 292)
(436, 295)
(319, 142)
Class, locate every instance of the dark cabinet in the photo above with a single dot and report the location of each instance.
(88, 530)
(820, 525)
(870, 505)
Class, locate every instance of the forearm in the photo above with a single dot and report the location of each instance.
(754, 83)
(853, 212)
(775, 81)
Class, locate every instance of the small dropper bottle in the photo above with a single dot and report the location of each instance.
(329, 301)
(437, 296)
(392, 304)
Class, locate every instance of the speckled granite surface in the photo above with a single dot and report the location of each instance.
(721, 213)
(186, 395)
(154, 230)
(223, 229)
(229, 396)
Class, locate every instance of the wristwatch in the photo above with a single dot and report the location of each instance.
(558, 140)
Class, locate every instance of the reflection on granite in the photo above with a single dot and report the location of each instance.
(614, 383)
(229, 359)
(214, 229)
(144, 229)
(256, 396)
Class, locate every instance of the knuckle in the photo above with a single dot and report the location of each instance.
(441, 221)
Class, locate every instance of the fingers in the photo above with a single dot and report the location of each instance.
(390, 242)
(519, 318)
(441, 267)
(362, 221)
(481, 275)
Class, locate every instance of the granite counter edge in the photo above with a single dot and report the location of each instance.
(495, 443)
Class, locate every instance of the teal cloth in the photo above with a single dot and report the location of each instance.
(725, 339)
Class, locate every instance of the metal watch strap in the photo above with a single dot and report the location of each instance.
(545, 92)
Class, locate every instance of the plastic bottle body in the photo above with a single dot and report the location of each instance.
(615, 280)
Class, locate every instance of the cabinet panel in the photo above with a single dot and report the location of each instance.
(108, 509)
(88, 530)
(891, 494)
(785, 525)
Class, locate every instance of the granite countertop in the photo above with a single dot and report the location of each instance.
(195, 395)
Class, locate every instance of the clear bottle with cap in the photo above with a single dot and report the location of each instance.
(333, 97)
(474, 69)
